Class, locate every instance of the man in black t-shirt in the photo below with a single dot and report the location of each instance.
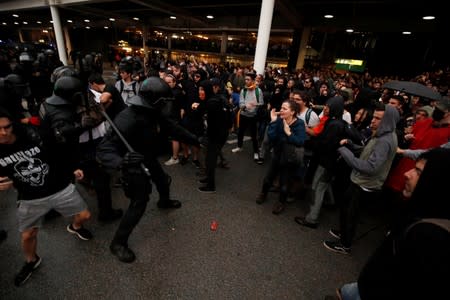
(43, 182)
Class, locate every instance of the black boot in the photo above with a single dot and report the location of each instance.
(123, 253)
(168, 204)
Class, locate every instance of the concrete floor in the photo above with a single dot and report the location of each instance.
(253, 254)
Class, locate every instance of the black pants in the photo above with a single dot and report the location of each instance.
(284, 173)
(213, 150)
(101, 180)
(349, 211)
(244, 123)
(139, 190)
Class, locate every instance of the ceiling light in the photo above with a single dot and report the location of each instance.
(406, 32)
(4, 23)
(429, 17)
(51, 22)
(15, 16)
(173, 17)
(69, 21)
(39, 22)
(16, 23)
(25, 22)
(87, 27)
(87, 21)
(136, 18)
(209, 17)
(328, 16)
(112, 19)
(106, 27)
(45, 31)
(349, 30)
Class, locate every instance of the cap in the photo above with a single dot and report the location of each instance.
(444, 104)
(427, 109)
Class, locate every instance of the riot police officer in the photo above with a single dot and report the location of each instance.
(140, 123)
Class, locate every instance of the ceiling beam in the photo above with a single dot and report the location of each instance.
(31, 4)
(170, 9)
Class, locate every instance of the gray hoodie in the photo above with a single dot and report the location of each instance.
(372, 167)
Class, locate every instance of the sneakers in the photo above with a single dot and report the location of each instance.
(206, 189)
(303, 222)
(26, 271)
(255, 157)
(123, 253)
(196, 163)
(237, 149)
(335, 233)
(172, 161)
(336, 247)
(110, 216)
(81, 232)
(168, 204)
(261, 198)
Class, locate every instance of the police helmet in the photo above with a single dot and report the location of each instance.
(67, 87)
(18, 85)
(63, 71)
(154, 90)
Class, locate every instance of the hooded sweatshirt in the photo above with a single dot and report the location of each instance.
(372, 167)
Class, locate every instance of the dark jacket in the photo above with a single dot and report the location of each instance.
(327, 142)
(140, 126)
(414, 262)
(217, 130)
(278, 137)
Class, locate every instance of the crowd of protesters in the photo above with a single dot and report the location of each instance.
(352, 130)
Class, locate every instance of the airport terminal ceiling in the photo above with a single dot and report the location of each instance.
(376, 37)
(233, 16)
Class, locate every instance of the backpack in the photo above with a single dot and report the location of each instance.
(244, 93)
(133, 86)
(90, 112)
(308, 116)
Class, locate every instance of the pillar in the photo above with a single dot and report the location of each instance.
(306, 34)
(68, 41)
(262, 43)
(58, 34)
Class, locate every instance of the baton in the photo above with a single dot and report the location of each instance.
(122, 138)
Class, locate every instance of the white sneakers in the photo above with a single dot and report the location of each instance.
(255, 156)
(172, 161)
(237, 149)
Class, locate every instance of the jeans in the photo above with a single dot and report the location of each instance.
(321, 182)
(350, 291)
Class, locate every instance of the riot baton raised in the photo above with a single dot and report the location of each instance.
(122, 138)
